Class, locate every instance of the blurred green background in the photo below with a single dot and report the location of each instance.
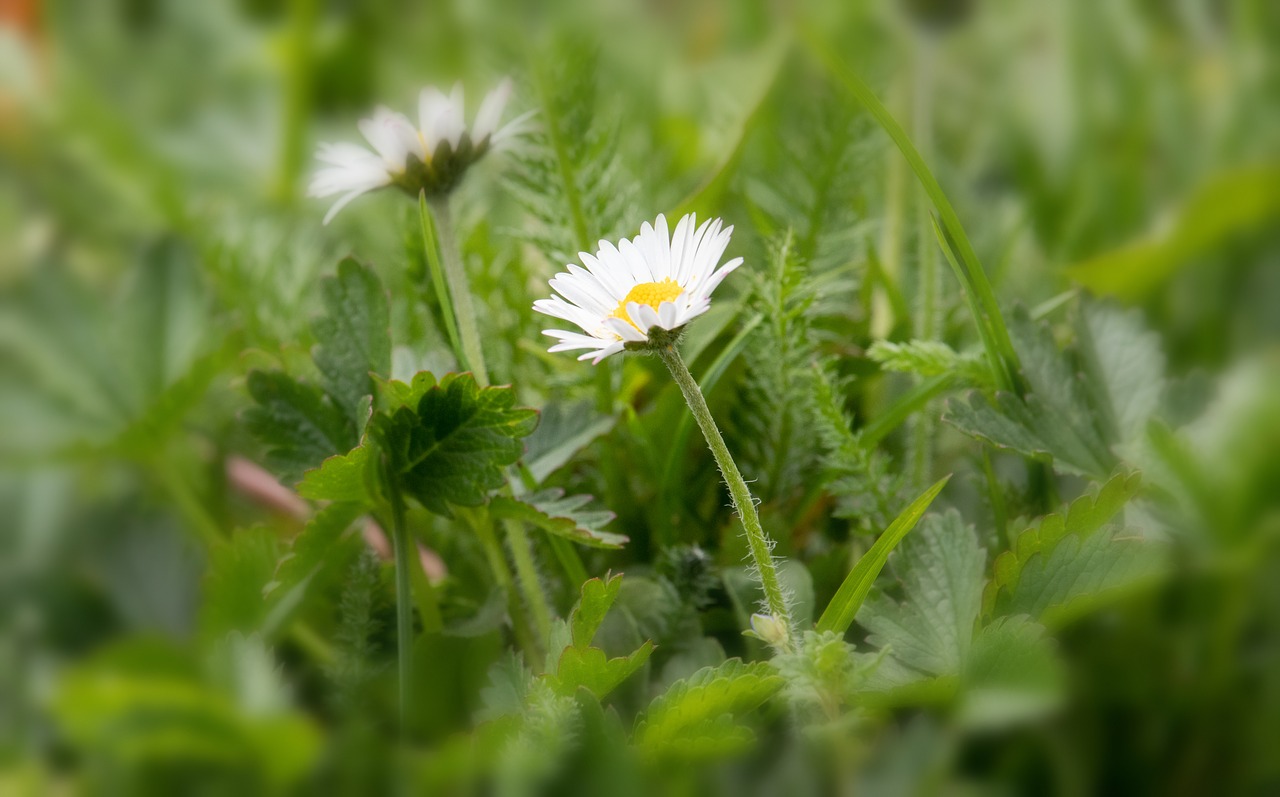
(156, 244)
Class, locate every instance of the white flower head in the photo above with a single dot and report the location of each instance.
(431, 156)
(631, 294)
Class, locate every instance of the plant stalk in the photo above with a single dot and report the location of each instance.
(464, 309)
(401, 545)
(758, 542)
(468, 330)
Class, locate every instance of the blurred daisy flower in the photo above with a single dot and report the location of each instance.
(641, 292)
(430, 157)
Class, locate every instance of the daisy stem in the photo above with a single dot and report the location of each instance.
(401, 544)
(465, 313)
(463, 308)
(758, 543)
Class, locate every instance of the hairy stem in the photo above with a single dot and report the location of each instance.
(758, 543)
(464, 309)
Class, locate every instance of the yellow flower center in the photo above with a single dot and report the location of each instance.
(652, 294)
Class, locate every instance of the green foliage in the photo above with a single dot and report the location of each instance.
(839, 614)
(929, 631)
(929, 358)
(299, 422)
(578, 665)
(693, 719)
(149, 718)
(352, 341)
(773, 414)
(1086, 516)
(860, 477)
(1012, 674)
(555, 514)
(451, 447)
(569, 177)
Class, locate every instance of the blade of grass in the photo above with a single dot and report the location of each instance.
(844, 606)
(973, 279)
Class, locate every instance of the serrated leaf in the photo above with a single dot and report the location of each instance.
(1085, 516)
(552, 512)
(1055, 422)
(590, 668)
(1080, 573)
(702, 706)
(352, 338)
(341, 478)
(839, 614)
(1013, 674)
(297, 420)
(452, 448)
(397, 394)
(940, 569)
(596, 598)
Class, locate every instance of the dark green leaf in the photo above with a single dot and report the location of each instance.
(352, 339)
(297, 420)
(452, 449)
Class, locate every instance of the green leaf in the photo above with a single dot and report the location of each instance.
(848, 600)
(940, 569)
(1126, 366)
(297, 420)
(1057, 421)
(137, 706)
(590, 668)
(1081, 573)
(453, 447)
(929, 358)
(687, 720)
(352, 338)
(550, 511)
(565, 430)
(341, 478)
(397, 394)
(238, 570)
(1084, 517)
(1012, 675)
(317, 548)
(596, 598)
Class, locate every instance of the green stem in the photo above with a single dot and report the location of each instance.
(760, 545)
(402, 545)
(527, 573)
(460, 290)
(302, 23)
(430, 247)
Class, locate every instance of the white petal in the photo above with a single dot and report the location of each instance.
(607, 351)
(667, 314)
(625, 330)
(486, 122)
(644, 316)
(637, 267)
(678, 250)
(515, 127)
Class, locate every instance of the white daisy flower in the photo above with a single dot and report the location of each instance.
(431, 156)
(630, 293)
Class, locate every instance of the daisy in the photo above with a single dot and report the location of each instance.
(430, 157)
(630, 295)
